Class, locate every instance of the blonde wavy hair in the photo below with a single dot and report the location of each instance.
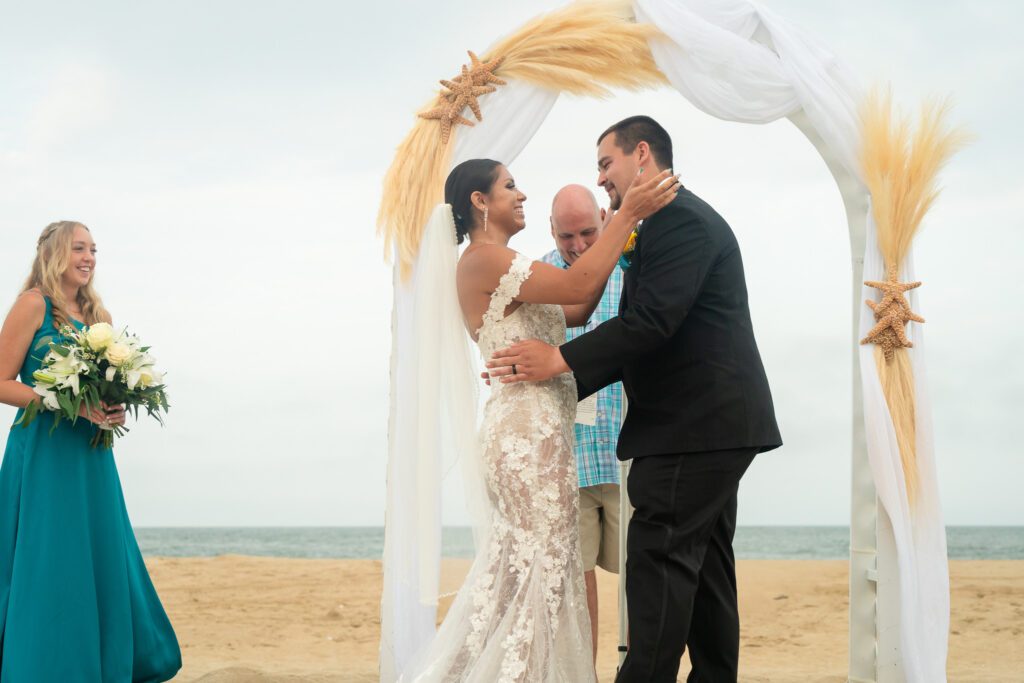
(53, 255)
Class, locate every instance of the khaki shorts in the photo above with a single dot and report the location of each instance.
(599, 527)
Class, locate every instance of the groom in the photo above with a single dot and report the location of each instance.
(699, 410)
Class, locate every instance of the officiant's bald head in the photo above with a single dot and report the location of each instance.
(576, 221)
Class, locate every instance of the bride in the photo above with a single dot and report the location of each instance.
(521, 614)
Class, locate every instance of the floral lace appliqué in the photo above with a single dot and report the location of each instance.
(521, 616)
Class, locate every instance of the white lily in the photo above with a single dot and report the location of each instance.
(49, 397)
(44, 377)
(143, 377)
(65, 369)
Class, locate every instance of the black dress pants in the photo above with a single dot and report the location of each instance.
(680, 568)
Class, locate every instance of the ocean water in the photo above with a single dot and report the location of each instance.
(752, 542)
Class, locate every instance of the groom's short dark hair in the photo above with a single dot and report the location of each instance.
(636, 129)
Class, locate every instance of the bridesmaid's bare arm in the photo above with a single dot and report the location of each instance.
(19, 328)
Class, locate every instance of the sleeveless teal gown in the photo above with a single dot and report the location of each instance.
(76, 602)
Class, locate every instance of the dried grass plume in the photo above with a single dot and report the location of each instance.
(901, 163)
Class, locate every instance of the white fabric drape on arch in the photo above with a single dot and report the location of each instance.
(736, 61)
(919, 534)
(433, 393)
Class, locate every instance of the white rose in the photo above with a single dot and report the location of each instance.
(99, 336)
(118, 354)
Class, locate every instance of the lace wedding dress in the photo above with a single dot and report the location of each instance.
(521, 615)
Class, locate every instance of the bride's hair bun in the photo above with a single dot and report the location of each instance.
(475, 175)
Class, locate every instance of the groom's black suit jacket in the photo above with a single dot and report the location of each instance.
(682, 344)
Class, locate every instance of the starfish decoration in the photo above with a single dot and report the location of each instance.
(448, 118)
(892, 313)
(482, 73)
(463, 90)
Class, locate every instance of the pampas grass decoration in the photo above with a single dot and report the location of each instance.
(901, 164)
(585, 48)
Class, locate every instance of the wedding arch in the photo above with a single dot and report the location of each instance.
(735, 60)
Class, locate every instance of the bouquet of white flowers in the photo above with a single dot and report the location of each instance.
(97, 366)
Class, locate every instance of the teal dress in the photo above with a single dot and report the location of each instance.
(76, 602)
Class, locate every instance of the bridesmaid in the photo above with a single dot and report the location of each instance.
(76, 602)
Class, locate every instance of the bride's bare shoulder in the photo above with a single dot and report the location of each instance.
(487, 261)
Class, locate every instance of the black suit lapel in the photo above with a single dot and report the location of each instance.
(629, 279)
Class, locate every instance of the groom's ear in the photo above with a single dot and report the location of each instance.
(643, 153)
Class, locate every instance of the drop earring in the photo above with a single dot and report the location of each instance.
(485, 219)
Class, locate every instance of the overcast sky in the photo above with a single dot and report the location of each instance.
(228, 158)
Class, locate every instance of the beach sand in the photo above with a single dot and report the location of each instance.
(261, 620)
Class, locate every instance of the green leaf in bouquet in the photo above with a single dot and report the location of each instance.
(31, 411)
(57, 416)
(60, 350)
(66, 406)
(92, 401)
(153, 410)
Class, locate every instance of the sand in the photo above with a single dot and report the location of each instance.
(260, 620)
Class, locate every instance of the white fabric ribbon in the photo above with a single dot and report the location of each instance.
(919, 533)
(738, 61)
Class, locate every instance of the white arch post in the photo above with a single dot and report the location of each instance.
(870, 573)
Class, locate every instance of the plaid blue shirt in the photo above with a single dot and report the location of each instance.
(595, 446)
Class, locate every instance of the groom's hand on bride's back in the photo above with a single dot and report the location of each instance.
(530, 360)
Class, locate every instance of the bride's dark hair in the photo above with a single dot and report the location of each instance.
(475, 175)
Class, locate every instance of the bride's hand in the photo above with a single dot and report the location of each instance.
(644, 199)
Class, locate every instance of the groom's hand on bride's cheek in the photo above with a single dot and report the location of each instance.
(527, 361)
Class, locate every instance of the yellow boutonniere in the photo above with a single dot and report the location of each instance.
(627, 251)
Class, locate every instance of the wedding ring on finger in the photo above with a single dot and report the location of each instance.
(514, 369)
